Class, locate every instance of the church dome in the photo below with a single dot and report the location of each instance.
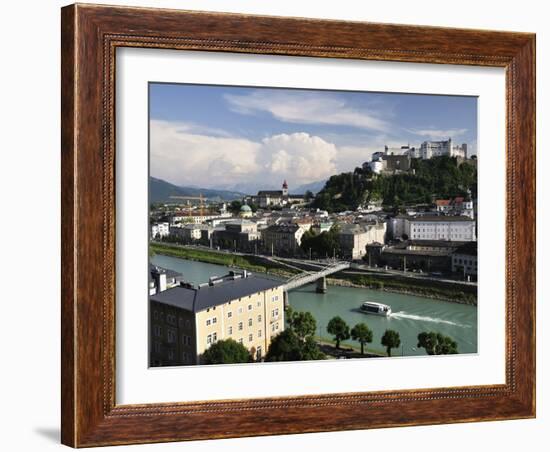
(246, 208)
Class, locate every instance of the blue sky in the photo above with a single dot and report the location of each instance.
(245, 138)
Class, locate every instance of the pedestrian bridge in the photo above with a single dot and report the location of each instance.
(309, 277)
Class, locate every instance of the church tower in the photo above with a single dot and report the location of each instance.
(285, 189)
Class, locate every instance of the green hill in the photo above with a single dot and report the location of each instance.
(438, 177)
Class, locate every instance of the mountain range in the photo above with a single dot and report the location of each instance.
(162, 191)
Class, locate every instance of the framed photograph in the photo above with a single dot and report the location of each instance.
(282, 225)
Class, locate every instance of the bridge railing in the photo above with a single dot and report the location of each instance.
(308, 277)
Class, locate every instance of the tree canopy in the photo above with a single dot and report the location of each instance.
(296, 343)
(321, 245)
(440, 177)
(390, 340)
(437, 344)
(302, 323)
(339, 329)
(362, 334)
(226, 351)
(287, 346)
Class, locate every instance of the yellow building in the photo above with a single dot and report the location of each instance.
(186, 320)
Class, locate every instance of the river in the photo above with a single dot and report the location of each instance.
(411, 314)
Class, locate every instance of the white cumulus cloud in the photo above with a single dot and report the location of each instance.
(186, 158)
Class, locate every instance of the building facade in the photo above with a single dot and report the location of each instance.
(464, 260)
(283, 239)
(354, 238)
(455, 206)
(186, 320)
(160, 230)
(239, 234)
(429, 149)
(434, 227)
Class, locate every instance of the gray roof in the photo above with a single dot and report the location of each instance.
(289, 228)
(207, 296)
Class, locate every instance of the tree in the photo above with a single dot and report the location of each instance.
(226, 351)
(362, 334)
(390, 340)
(309, 195)
(339, 329)
(235, 206)
(287, 346)
(437, 344)
(302, 323)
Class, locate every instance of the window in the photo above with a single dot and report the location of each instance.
(215, 320)
(171, 336)
(229, 314)
(259, 303)
(260, 318)
(157, 347)
(250, 307)
(209, 339)
(230, 331)
(171, 354)
(240, 326)
(208, 322)
(241, 340)
(250, 337)
(214, 337)
(158, 331)
(240, 310)
(249, 322)
(259, 333)
(155, 315)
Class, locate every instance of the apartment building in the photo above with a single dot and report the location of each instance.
(186, 320)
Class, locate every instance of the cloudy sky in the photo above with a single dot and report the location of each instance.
(249, 138)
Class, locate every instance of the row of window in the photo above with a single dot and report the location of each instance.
(230, 331)
(211, 321)
(171, 319)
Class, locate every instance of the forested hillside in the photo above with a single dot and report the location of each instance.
(438, 177)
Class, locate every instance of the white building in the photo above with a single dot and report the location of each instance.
(160, 230)
(427, 227)
(429, 149)
(184, 217)
(354, 238)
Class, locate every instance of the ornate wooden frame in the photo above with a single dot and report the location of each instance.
(90, 35)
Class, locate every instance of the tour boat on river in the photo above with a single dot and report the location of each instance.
(370, 307)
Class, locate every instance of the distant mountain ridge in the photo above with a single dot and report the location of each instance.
(162, 191)
(314, 187)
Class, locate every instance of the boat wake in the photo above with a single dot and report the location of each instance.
(403, 315)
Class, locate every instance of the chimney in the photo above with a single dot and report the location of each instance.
(160, 279)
